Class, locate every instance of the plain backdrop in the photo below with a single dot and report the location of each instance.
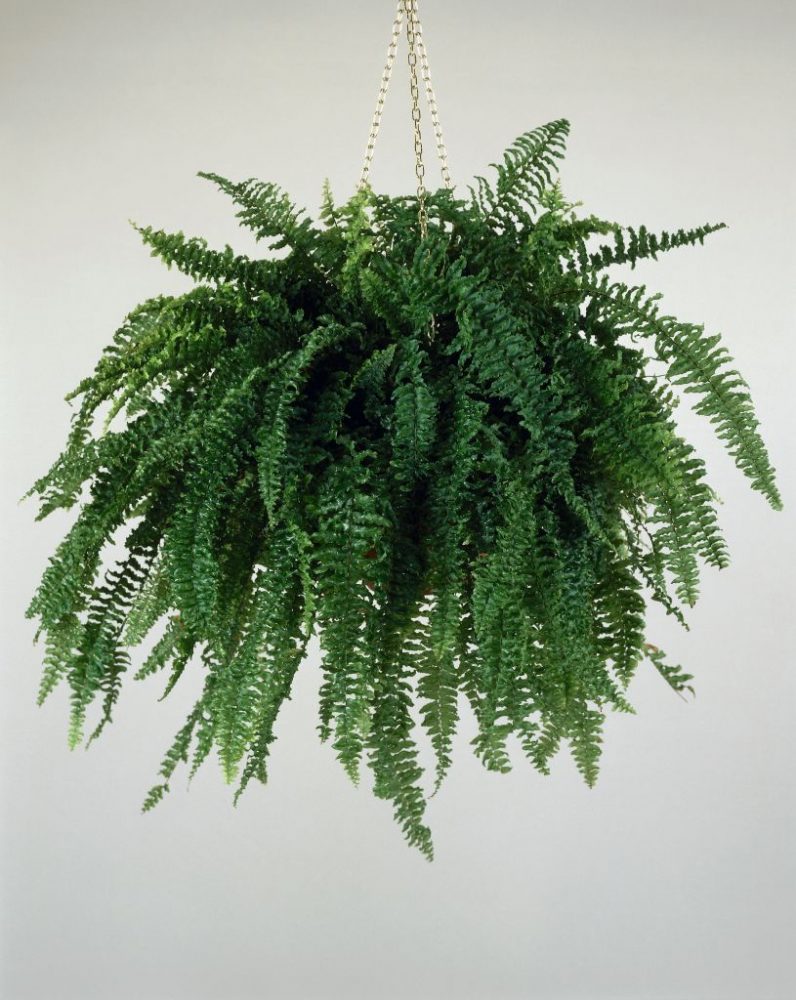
(675, 877)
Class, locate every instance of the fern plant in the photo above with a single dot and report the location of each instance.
(455, 459)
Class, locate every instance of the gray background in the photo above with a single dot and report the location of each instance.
(674, 878)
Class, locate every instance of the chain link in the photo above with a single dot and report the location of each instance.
(385, 82)
(418, 56)
(431, 99)
(410, 7)
(407, 15)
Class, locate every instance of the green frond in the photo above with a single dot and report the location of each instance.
(586, 742)
(350, 545)
(527, 169)
(677, 679)
(414, 417)
(175, 755)
(267, 211)
(631, 245)
(701, 365)
(285, 388)
(194, 258)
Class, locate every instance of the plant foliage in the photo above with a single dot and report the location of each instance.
(454, 459)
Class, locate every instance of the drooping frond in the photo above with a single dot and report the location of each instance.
(702, 366)
(675, 676)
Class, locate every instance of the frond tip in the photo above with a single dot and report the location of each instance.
(455, 459)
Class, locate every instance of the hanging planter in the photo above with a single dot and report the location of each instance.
(435, 432)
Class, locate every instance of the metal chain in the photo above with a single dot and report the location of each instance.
(410, 7)
(413, 27)
(407, 9)
(431, 99)
(385, 82)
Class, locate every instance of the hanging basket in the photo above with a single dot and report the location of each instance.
(435, 433)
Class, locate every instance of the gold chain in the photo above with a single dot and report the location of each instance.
(431, 99)
(410, 6)
(407, 10)
(385, 82)
(417, 56)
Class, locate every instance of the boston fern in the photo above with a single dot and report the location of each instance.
(453, 458)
